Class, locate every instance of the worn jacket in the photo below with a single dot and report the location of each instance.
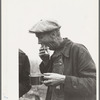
(24, 71)
(79, 68)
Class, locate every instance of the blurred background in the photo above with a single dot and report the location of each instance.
(79, 21)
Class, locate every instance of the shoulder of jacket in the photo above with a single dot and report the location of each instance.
(79, 47)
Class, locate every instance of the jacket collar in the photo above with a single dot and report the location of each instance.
(64, 48)
(67, 46)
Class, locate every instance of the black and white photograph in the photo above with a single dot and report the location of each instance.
(49, 50)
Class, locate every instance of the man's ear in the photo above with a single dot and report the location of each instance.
(53, 35)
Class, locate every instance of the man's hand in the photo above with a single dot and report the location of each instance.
(53, 79)
(44, 54)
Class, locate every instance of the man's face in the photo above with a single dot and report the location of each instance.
(47, 39)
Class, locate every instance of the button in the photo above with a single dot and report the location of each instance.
(58, 87)
(75, 86)
(60, 63)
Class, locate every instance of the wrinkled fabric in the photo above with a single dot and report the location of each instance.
(79, 69)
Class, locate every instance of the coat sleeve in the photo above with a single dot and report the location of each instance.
(46, 68)
(85, 83)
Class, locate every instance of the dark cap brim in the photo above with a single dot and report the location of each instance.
(31, 31)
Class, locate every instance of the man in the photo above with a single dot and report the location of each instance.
(24, 71)
(70, 73)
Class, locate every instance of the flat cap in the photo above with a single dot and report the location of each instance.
(45, 26)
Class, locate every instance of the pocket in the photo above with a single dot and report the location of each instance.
(58, 66)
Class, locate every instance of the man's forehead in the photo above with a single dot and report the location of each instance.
(38, 34)
(42, 33)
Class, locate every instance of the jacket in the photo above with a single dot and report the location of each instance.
(79, 69)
